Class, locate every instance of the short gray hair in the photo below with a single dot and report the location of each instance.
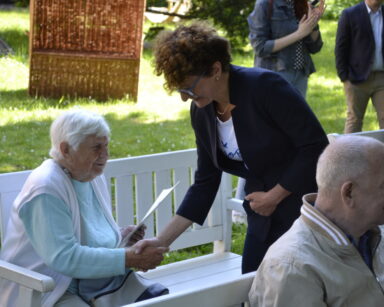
(345, 159)
(73, 127)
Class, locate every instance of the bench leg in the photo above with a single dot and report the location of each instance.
(28, 297)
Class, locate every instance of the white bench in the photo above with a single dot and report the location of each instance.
(134, 183)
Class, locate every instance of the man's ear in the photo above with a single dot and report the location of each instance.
(346, 193)
(64, 149)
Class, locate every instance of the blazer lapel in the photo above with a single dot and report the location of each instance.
(212, 132)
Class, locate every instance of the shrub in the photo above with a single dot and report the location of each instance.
(229, 15)
(334, 8)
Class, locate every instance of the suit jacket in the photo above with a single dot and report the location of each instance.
(279, 138)
(355, 44)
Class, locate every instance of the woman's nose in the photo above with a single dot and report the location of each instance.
(104, 152)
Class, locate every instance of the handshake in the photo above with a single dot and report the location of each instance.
(142, 254)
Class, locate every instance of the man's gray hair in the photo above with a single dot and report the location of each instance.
(346, 159)
(73, 127)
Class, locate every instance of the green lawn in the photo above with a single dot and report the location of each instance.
(157, 123)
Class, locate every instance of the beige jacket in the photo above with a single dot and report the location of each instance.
(314, 264)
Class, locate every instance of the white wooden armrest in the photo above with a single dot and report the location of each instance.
(25, 277)
(221, 294)
(235, 204)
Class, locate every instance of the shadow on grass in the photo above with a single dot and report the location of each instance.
(24, 145)
(22, 100)
(18, 41)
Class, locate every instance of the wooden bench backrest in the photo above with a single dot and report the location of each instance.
(10, 186)
(134, 184)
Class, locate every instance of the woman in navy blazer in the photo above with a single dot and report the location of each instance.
(275, 137)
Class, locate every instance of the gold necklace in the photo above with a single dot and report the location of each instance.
(225, 110)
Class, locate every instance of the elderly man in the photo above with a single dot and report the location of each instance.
(333, 254)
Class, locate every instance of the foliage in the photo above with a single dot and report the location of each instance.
(157, 3)
(335, 7)
(229, 15)
(22, 3)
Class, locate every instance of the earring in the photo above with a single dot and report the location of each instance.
(217, 78)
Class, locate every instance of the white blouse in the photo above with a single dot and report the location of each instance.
(227, 139)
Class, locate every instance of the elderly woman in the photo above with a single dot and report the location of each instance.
(61, 223)
(248, 122)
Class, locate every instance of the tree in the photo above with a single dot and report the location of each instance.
(229, 15)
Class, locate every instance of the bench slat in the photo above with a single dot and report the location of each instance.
(144, 200)
(198, 237)
(164, 215)
(198, 272)
(124, 201)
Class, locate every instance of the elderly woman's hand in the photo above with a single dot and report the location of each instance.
(136, 236)
(148, 258)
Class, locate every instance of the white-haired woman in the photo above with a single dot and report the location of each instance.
(61, 223)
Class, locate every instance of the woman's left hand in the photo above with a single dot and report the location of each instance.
(262, 203)
(137, 236)
(265, 203)
(317, 11)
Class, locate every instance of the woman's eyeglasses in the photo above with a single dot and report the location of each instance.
(189, 91)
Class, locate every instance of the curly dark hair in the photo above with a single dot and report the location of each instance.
(189, 50)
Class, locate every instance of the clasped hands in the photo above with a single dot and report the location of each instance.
(139, 256)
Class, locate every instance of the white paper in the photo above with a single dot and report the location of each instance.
(164, 193)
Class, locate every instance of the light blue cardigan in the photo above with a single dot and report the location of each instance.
(61, 249)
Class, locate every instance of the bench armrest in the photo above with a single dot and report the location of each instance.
(235, 204)
(26, 277)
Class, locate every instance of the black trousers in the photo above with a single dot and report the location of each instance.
(262, 232)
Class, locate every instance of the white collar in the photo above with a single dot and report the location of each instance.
(370, 10)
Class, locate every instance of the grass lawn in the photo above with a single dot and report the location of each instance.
(157, 123)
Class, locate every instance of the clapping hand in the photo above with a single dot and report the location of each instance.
(318, 10)
(309, 21)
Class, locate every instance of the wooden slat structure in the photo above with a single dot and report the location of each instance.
(85, 48)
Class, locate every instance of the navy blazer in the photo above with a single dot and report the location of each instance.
(355, 44)
(279, 138)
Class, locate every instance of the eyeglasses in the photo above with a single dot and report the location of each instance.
(189, 91)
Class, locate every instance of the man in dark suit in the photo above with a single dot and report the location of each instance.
(359, 61)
